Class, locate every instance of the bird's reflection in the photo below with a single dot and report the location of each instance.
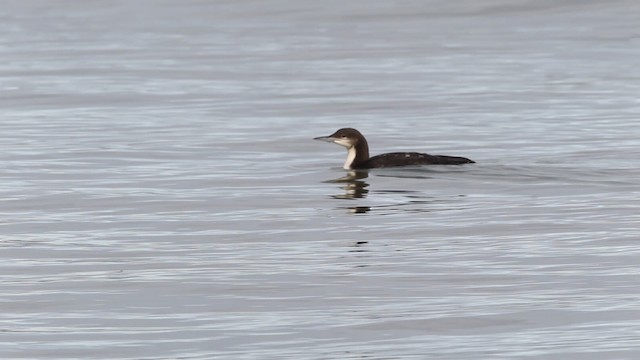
(353, 185)
(359, 247)
(359, 209)
(354, 188)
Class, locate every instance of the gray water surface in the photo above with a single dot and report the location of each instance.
(162, 197)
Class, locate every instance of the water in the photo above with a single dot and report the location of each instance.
(163, 199)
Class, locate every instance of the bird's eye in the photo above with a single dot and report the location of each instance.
(344, 136)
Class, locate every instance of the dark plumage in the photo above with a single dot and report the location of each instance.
(358, 153)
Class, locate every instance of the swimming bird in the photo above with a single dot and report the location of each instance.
(358, 153)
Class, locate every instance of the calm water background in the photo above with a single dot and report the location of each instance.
(162, 197)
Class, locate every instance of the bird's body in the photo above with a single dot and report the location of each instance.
(412, 158)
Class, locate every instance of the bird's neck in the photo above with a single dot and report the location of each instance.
(357, 155)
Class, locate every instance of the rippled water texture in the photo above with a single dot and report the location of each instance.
(162, 197)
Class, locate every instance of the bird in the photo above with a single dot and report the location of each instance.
(358, 153)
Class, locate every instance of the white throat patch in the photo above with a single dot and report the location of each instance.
(351, 155)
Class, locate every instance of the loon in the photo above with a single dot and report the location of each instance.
(358, 153)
